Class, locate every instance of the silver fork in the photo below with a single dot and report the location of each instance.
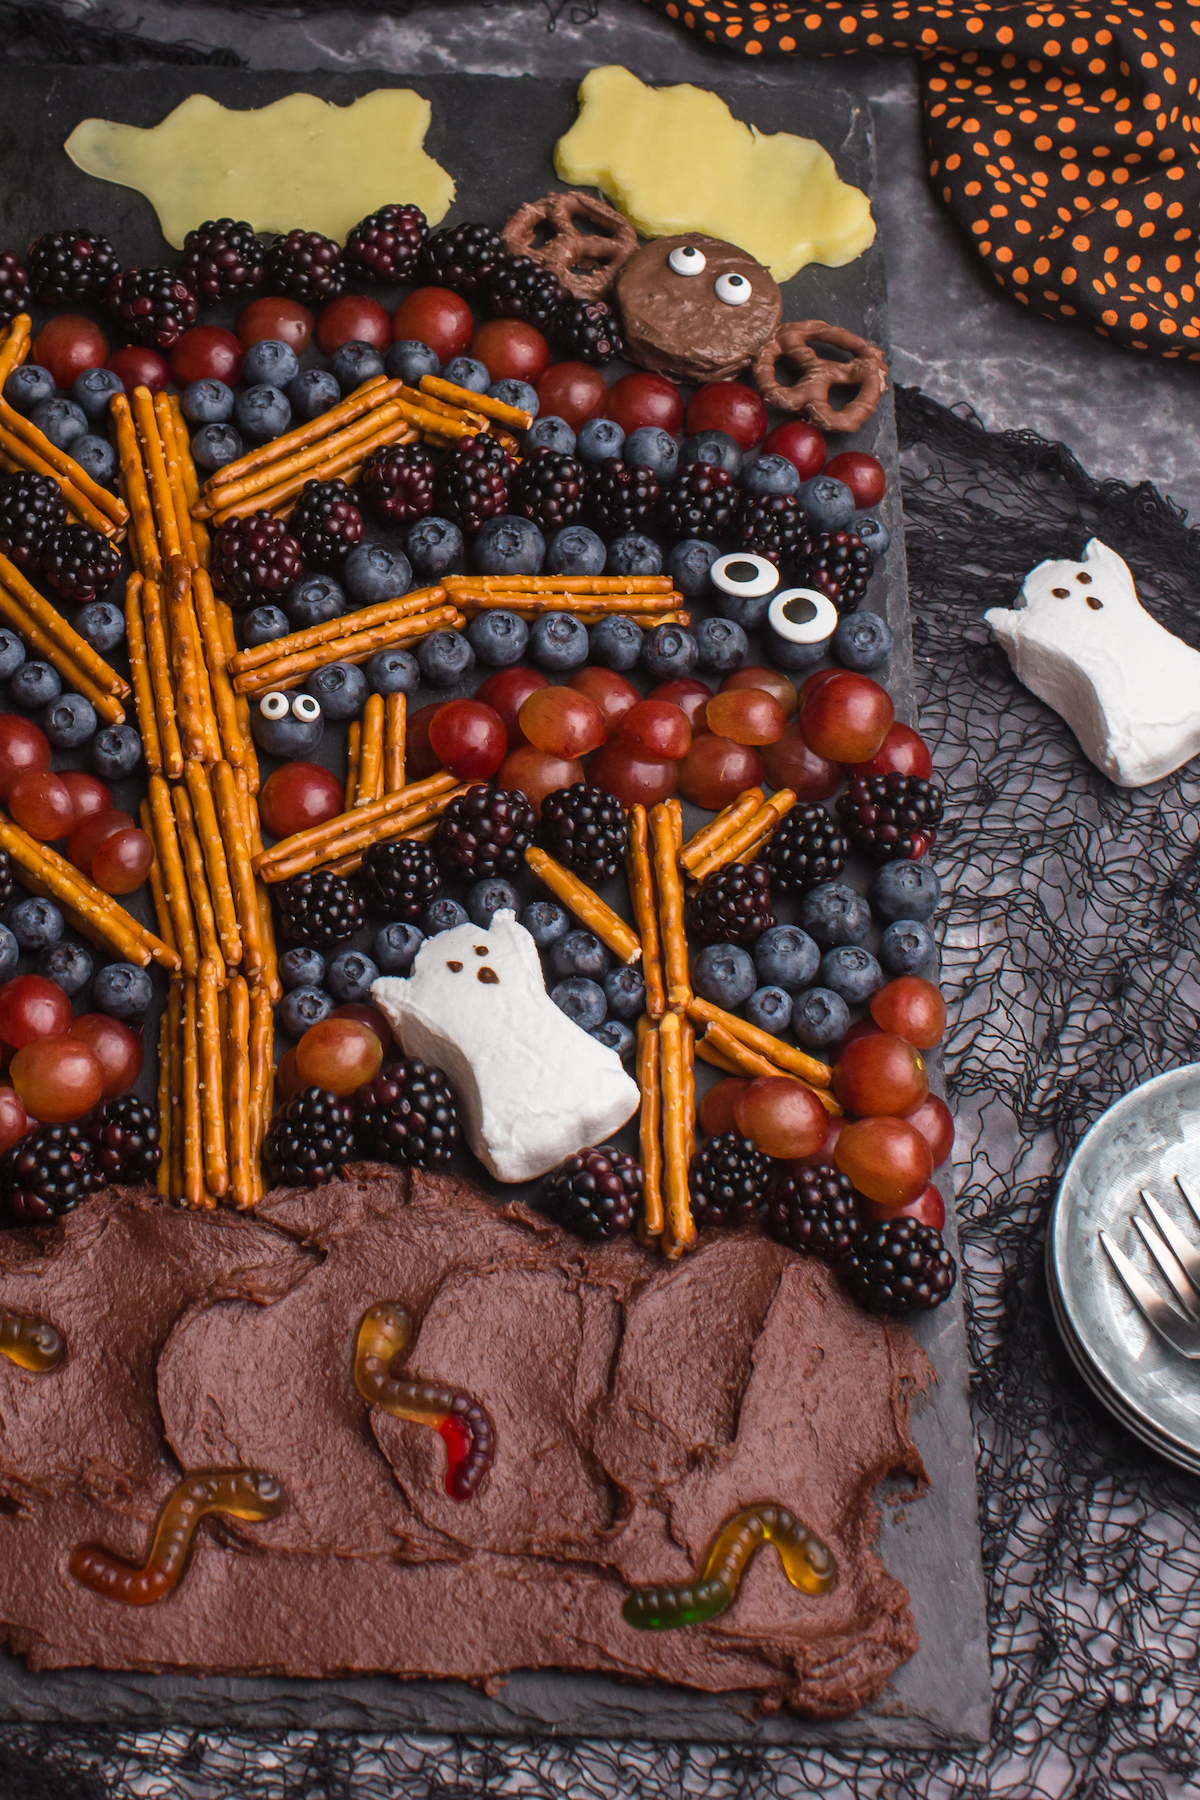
(1178, 1261)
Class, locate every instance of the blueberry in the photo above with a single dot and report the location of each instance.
(340, 687)
(625, 992)
(116, 752)
(312, 392)
(770, 1008)
(61, 421)
(785, 654)
(614, 1034)
(302, 967)
(669, 652)
(498, 638)
(634, 554)
(820, 1018)
(616, 643)
(515, 393)
(68, 966)
(861, 640)
(833, 913)
(724, 974)
(598, 439)
(550, 433)
(906, 947)
(102, 624)
(353, 363)
(650, 447)
(10, 953)
(546, 921)
(716, 448)
(28, 387)
(445, 657)
(508, 545)
(122, 990)
(215, 445)
(263, 625)
(747, 610)
(409, 360)
(874, 534)
(581, 1000)
(442, 915)
(827, 504)
(269, 363)
(262, 412)
(904, 890)
(575, 551)
(581, 953)
(852, 972)
(96, 456)
(486, 898)
(393, 672)
(289, 738)
(770, 474)
(314, 600)
(786, 957)
(35, 923)
(433, 546)
(33, 685)
(467, 372)
(69, 721)
(303, 1007)
(207, 402)
(688, 565)
(94, 389)
(558, 641)
(372, 572)
(721, 646)
(396, 946)
(12, 653)
(350, 977)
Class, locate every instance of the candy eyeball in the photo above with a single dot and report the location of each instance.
(274, 706)
(306, 708)
(745, 574)
(289, 726)
(802, 616)
(686, 259)
(732, 290)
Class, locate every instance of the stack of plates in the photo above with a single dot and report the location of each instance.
(1144, 1141)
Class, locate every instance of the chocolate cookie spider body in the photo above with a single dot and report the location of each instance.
(696, 308)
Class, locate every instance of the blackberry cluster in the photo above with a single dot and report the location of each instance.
(815, 1211)
(310, 1138)
(407, 1115)
(588, 330)
(520, 288)
(700, 502)
(385, 245)
(319, 908)
(897, 1268)
(154, 306)
(594, 1192)
(397, 483)
(305, 266)
(79, 563)
(587, 829)
(222, 260)
(809, 847)
(728, 1180)
(485, 832)
(772, 525)
(8, 880)
(732, 905)
(70, 265)
(891, 818)
(326, 523)
(472, 485)
(255, 558)
(48, 1173)
(618, 499)
(14, 287)
(124, 1138)
(400, 878)
(548, 488)
(462, 257)
(838, 564)
(32, 509)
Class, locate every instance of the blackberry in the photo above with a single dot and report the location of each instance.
(593, 1193)
(838, 564)
(124, 1138)
(407, 1115)
(728, 1180)
(155, 306)
(587, 329)
(79, 563)
(48, 1173)
(222, 260)
(255, 558)
(309, 1139)
(305, 266)
(462, 257)
(618, 499)
(587, 829)
(14, 287)
(808, 848)
(815, 1211)
(700, 502)
(473, 483)
(70, 265)
(32, 508)
(732, 905)
(897, 1268)
(773, 526)
(8, 880)
(400, 878)
(326, 523)
(548, 488)
(385, 245)
(485, 832)
(520, 288)
(397, 483)
(318, 909)
(891, 818)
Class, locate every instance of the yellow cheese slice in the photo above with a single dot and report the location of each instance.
(298, 163)
(675, 159)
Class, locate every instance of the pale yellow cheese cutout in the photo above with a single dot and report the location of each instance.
(675, 159)
(298, 163)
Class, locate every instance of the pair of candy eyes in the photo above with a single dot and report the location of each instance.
(301, 706)
(800, 615)
(733, 290)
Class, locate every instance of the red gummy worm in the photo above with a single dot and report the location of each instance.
(384, 1333)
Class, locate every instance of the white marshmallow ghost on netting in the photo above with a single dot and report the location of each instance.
(1080, 639)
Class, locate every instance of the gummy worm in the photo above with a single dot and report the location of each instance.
(807, 1562)
(246, 1493)
(30, 1343)
(383, 1335)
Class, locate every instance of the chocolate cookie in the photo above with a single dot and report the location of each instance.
(696, 308)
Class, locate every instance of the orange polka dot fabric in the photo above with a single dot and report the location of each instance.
(1066, 143)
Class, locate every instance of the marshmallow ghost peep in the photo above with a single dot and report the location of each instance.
(531, 1086)
(1080, 639)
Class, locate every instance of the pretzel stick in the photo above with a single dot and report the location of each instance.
(159, 665)
(18, 617)
(815, 1074)
(15, 348)
(722, 827)
(237, 852)
(357, 647)
(731, 1053)
(262, 1034)
(197, 721)
(139, 670)
(180, 509)
(369, 786)
(191, 480)
(558, 584)
(175, 883)
(395, 729)
(241, 704)
(219, 886)
(687, 1042)
(750, 835)
(68, 642)
(193, 1120)
(208, 943)
(658, 609)
(382, 613)
(365, 398)
(174, 1018)
(166, 1087)
(679, 1229)
(473, 402)
(212, 1083)
(361, 836)
(415, 834)
(141, 514)
(444, 425)
(670, 908)
(112, 925)
(709, 1054)
(645, 912)
(223, 701)
(81, 511)
(237, 1092)
(353, 758)
(317, 836)
(158, 893)
(300, 462)
(284, 492)
(75, 481)
(649, 1080)
(266, 925)
(588, 907)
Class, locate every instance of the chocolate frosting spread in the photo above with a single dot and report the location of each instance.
(635, 1407)
(677, 325)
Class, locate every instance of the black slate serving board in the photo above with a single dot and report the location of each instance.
(496, 136)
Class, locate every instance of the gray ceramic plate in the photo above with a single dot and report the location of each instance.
(1144, 1141)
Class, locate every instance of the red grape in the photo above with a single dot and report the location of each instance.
(846, 718)
(645, 399)
(800, 443)
(23, 749)
(123, 861)
(879, 1075)
(789, 762)
(435, 316)
(287, 1076)
(862, 474)
(824, 1152)
(573, 391)
(928, 1208)
(537, 773)
(771, 681)
(41, 805)
(354, 319)
(902, 752)
(657, 728)
(748, 716)
(469, 739)
(634, 779)
(887, 1159)
(14, 1121)
(370, 1016)
(690, 695)
(116, 1046)
(863, 1028)
(716, 770)
(283, 321)
(507, 691)
(420, 759)
(562, 721)
(913, 1008)
(68, 345)
(511, 350)
(731, 407)
(206, 353)
(610, 691)
(138, 366)
(90, 833)
(298, 795)
(782, 1116)
(934, 1120)
(32, 1007)
(57, 1079)
(88, 794)
(339, 1055)
(715, 1113)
